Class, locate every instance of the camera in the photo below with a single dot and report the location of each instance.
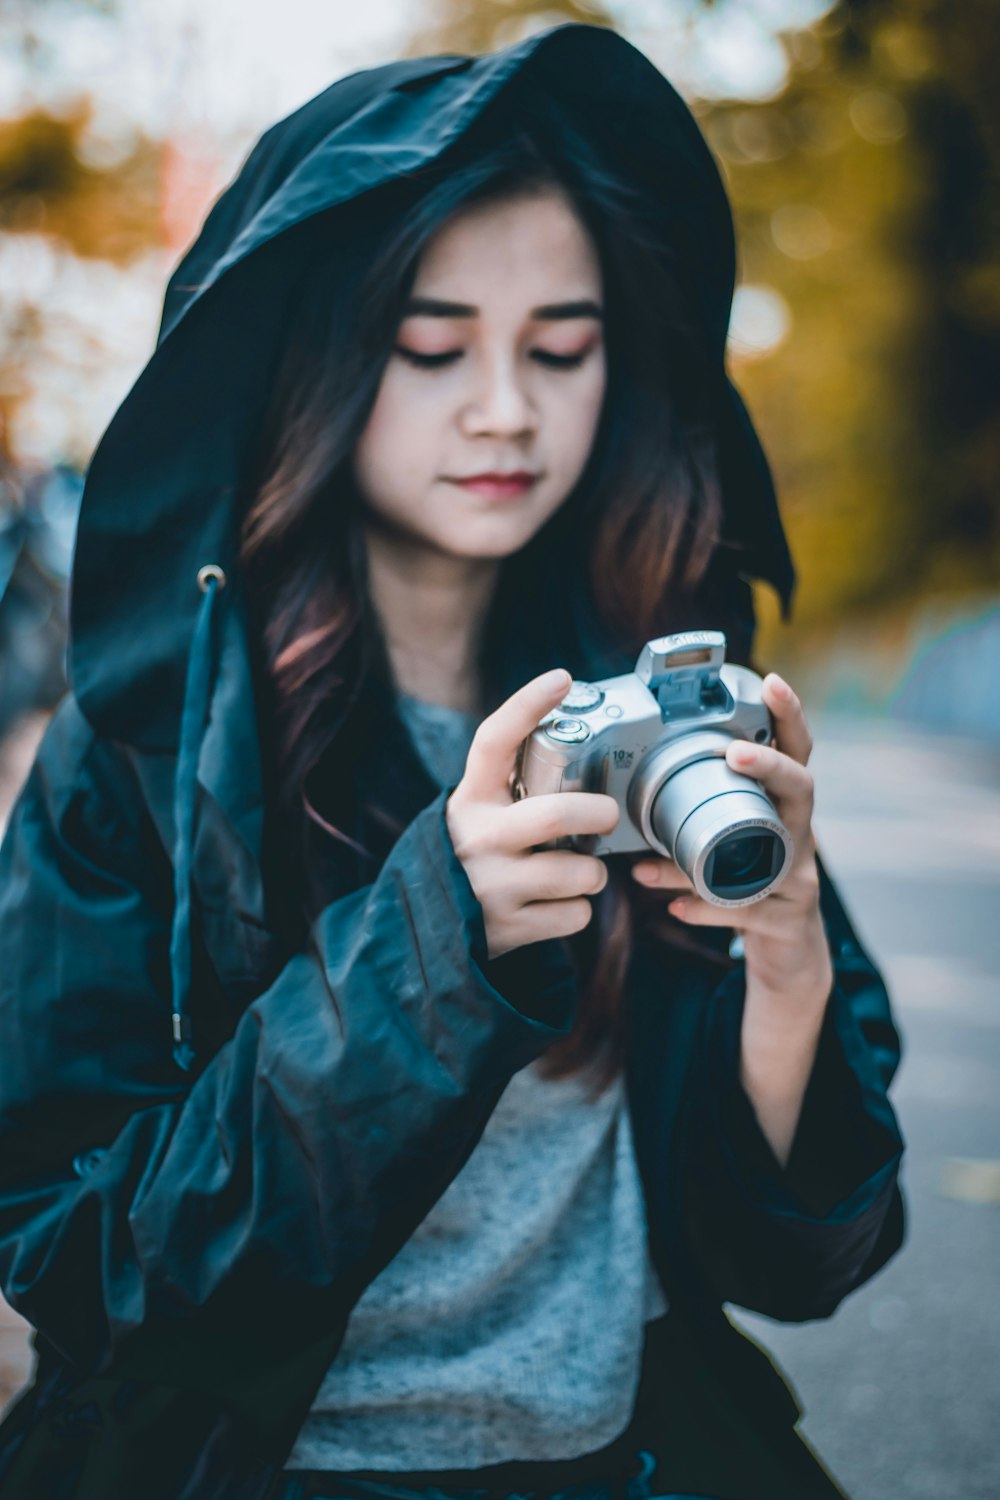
(655, 739)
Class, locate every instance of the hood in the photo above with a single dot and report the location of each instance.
(160, 492)
(158, 652)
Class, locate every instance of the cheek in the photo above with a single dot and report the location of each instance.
(574, 418)
(398, 440)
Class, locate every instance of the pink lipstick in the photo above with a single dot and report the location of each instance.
(497, 486)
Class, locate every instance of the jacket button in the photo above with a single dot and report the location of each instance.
(85, 1161)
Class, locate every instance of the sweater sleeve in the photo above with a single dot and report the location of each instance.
(792, 1242)
(261, 1197)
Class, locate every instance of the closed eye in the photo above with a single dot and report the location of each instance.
(435, 361)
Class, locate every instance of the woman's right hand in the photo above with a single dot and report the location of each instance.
(525, 895)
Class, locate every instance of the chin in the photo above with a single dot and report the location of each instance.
(503, 541)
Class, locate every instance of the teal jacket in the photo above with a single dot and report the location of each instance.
(210, 1143)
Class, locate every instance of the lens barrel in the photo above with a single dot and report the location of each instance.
(719, 827)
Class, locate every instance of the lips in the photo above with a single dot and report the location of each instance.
(499, 476)
(499, 485)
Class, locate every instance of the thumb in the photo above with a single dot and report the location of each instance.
(490, 761)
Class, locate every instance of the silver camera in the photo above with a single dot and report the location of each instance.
(655, 739)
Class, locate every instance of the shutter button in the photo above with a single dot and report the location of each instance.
(568, 731)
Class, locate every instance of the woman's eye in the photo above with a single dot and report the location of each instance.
(429, 361)
(561, 361)
(435, 361)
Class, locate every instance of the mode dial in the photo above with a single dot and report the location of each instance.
(582, 697)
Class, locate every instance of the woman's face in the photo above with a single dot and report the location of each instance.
(510, 294)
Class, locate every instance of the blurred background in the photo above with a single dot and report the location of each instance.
(859, 142)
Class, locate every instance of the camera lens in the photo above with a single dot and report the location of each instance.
(740, 860)
(720, 828)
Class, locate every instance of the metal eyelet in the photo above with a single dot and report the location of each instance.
(86, 1162)
(210, 570)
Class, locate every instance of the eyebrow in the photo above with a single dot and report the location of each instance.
(433, 307)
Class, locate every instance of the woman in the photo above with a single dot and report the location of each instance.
(454, 1147)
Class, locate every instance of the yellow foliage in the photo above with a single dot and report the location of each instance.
(45, 188)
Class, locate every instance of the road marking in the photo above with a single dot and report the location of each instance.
(970, 1179)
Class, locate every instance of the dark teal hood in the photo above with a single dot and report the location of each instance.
(161, 493)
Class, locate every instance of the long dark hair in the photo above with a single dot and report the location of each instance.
(640, 536)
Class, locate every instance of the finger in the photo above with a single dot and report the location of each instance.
(702, 913)
(767, 917)
(661, 874)
(554, 815)
(490, 761)
(789, 785)
(547, 919)
(791, 731)
(557, 875)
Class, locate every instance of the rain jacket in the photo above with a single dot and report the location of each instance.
(209, 1144)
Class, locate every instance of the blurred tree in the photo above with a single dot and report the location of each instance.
(867, 193)
(53, 182)
(484, 25)
(954, 339)
(73, 185)
(64, 194)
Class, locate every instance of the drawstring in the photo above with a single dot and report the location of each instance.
(197, 689)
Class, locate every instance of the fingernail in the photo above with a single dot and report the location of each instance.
(745, 755)
(642, 872)
(558, 679)
(780, 686)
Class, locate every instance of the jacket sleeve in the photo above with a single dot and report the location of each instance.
(792, 1242)
(263, 1195)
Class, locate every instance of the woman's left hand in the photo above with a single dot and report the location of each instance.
(785, 948)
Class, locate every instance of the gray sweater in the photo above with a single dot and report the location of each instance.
(510, 1324)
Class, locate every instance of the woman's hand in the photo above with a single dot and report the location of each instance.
(789, 969)
(525, 895)
(785, 947)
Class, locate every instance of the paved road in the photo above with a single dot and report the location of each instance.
(901, 1386)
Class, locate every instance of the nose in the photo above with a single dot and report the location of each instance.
(501, 402)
